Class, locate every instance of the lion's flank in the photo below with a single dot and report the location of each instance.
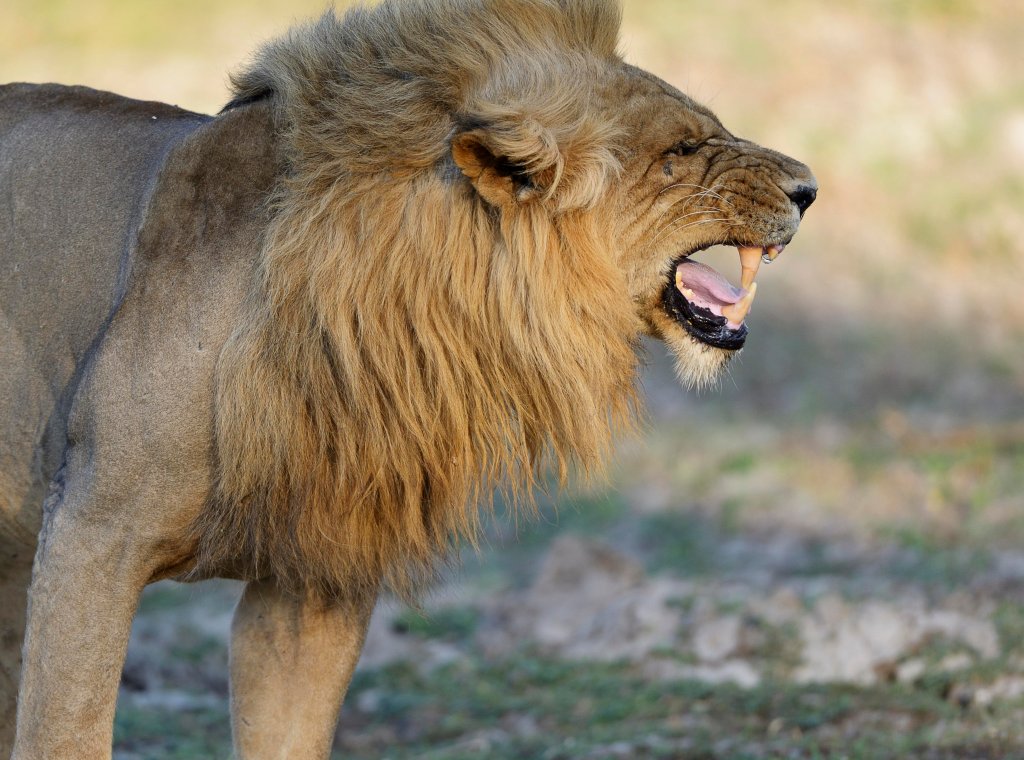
(410, 347)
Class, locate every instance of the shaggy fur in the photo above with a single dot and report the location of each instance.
(407, 350)
(299, 343)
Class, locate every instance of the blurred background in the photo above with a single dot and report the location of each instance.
(824, 556)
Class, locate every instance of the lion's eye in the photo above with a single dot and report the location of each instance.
(684, 148)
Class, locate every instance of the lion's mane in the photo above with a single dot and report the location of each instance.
(407, 349)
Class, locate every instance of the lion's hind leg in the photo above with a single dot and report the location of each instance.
(15, 576)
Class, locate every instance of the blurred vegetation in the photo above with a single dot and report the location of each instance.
(576, 711)
(880, 398)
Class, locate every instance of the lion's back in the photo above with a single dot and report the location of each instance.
(76, 168)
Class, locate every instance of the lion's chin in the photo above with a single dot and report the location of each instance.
(698, 364)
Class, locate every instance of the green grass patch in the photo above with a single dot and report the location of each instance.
(162, 734)
(448, 623)
(531, 707)
(678, 542)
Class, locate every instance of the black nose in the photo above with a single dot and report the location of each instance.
(803, 197)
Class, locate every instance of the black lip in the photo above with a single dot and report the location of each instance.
(701, 323)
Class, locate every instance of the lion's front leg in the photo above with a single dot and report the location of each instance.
(291, 661)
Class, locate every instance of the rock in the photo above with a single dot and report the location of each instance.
(584, 566)
(781, 607)
(832, 609)
(739, 672)
(977, 633)
(911, 670)
(1006, 687)
(481, 743)
(173, 700)
(619, 749)
(841, 645)
(521, 725)
(885, 631)
(369, 701)
(578, 579)
(714, 640)
(629, 627)
(862, 643)
(588, 602)
(383, 644)
(954, 662)
(1008, 566)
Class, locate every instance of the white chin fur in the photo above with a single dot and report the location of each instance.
(698, 365)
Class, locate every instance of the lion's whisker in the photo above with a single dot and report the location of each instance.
(680, 205)
(721, 198)
(657, 222)
(687, 184)
(678, 228)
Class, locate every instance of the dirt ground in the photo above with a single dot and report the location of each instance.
(728, 610)
(821, 558)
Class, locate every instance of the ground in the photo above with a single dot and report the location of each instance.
(740, 590)
(823, 557)
(624, 628)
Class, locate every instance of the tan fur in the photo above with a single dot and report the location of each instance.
(303, 342)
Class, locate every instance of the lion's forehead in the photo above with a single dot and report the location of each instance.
(651, 114)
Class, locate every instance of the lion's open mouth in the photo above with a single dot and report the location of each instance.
(707, 305)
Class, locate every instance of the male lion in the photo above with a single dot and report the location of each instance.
(298, 342)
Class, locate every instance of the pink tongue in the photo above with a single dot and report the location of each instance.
(710, 289)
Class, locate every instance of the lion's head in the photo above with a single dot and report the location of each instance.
(483, 209)
(659, 173)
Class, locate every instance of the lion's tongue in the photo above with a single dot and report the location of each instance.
(703, 286)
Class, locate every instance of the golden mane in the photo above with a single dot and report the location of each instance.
(407, 348)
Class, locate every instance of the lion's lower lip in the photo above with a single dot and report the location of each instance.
(701, 323)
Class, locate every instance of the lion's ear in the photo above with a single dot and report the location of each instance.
(503, 174)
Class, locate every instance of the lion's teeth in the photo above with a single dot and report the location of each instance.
(774, 252)
(738, 311)
(750, 260)
(681, 287)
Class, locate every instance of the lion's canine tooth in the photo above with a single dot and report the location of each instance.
(750, 260)
(738, 311)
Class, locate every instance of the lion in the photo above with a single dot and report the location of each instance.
(300, 343)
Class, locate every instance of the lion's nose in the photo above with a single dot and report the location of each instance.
(803, 196)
